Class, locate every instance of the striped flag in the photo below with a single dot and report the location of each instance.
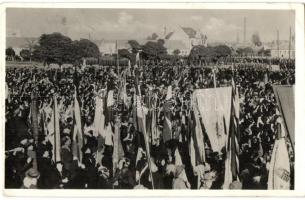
(232, 145)
(196, 145)
(140, 119)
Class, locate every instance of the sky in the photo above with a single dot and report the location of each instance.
(218, 25)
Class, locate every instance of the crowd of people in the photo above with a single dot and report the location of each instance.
(31, 164)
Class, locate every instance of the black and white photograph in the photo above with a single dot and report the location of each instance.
(157, 99)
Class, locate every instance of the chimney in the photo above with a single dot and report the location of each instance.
(245, 29)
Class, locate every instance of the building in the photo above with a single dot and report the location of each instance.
(282, 50)
(183, 39)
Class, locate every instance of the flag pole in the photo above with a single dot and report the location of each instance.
(145, 138)
(215, 99)
(147, 145)
(34, 116)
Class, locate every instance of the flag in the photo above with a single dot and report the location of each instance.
(279, 168)
(285, 100)
(266, 79)
(7, 92)
(169, 93)
(129, 68)
(77, 131)
(178, 162)
(232, 146)
(138, 58)
(99, 118)
(118, 152)
(57, 145)
(154, 118)
(123, 92)
(167, 125)
(196, 145)
(214, 107)
(140, 114)
(34, 121)
(108, 110)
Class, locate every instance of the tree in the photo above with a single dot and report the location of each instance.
(154, 36)
(87, 48)
(176, 52)
(135, 46)
(247, 51)
(201, 53)
(256, 40)
(25, 54)
(154, 50)
(84, 49)
(222, 51)
(124, 53)
(55, 48)
(10, 53)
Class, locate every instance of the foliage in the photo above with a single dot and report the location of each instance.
(25, 54)
(154, 50)
(222, 51)
(135, 46)
(247, 51)
(10, 52)
(124, 53)
(59, 49)
(154, 36)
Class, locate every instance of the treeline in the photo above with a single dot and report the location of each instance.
(58, 49)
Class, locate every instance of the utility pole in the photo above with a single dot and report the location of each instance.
(245, 30)
(289, 52)
(278, 43)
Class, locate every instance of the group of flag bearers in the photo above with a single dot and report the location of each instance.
(213, 119)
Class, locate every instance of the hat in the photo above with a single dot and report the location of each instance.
(33, 173)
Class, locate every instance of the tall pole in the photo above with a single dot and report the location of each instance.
(34, 113)
(245, 30)
(278, 43)
(117, 57)
(289, 52)
(145, 136)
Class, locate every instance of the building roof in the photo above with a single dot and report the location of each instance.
(20, 42)
(189, 31)
(169, 35)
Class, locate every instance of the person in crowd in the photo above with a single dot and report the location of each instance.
(150, 82)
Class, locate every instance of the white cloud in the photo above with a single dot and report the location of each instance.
(219, 28)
